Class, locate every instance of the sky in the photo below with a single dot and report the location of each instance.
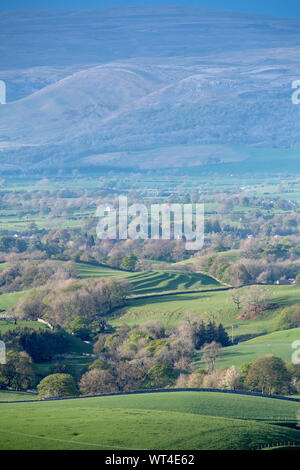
(282, 8)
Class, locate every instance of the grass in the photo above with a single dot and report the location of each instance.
(148, 282)
(3, 266)
(9, 300)
(90, 270)
(278, 344)
(206, 403)
(161, 421)
(6, 395)
(171, 281)
(171, 310)
(232, 255)
(77, 361)
(6, 325)
(77, 345)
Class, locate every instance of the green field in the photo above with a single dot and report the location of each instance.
(278, 344)
(74, 360)
(232, 255)
(171, 310)
(6, 325)
(148, 282)
(9, 300)
(167, 421)
(6, 395)
(3, 266)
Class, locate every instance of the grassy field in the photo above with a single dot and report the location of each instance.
(6, 325)
(89, 270)
(9, 300)
(278, 344)
(148, 282)
(75, 360)
(154, 421)
(171, 310)
(232, 255)
(3, 266)
(6, 395)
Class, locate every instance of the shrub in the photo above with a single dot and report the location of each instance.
(57, 385)
(98, 381)
(288, 318)
(159, 376)
(268, 374)
(19, 373)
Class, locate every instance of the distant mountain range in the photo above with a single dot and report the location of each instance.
(145, 87)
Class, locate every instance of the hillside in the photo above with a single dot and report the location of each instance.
(162, 421)
(278, 344)
(149, 282)
(149, 88)
(171, 310)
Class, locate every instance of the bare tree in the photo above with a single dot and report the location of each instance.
(256, 298)
(210, 354)
(236, 297)
(98, 381)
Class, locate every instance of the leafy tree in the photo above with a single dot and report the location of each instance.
(256, 298)
(200, 335)
(99, 364)
(208, 263)
(98, 381)
(90, 241)
(57, 385)
(211, 332)
(6, 243)
(222, 267)
(230, 379)
(19, 373)
(21, 245)
(129, 262)
(203, 334)
(222, 336)
(61, 367)
(195, 380)
(237, 275)
(31, 307)
(100, 344)
(211, 352)
(159, 376)
(236, 297)
(41, 345)
(269, 375)
(288, 318)
(81, 327)
(244, 369)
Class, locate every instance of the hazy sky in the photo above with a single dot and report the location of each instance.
(285, 8)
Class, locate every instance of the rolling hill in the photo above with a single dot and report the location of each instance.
(150, 282)
(278, 344)
(171, 310)
(148, 88)
(180, 420)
